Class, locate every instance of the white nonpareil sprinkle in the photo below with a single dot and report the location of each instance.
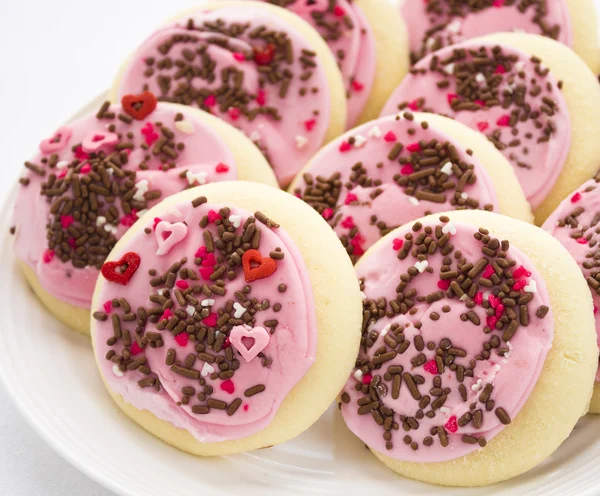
(358, 375)
(196, 177)
(239, 310)
(447, 169)
(185, 126)
(141, 190)
(421, 265)
(449, 69)
(207, 369)
(374, 132)
(209, 302)
(63, 164)
(301, 141)
(117, 371)
(531, 287)
(100, 220)
(413, 200)
(449, 228)
(359, 141)
(190, 310)
(235, 220)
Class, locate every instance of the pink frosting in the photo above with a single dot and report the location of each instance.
(432, 26)
(432, 326)
(351, 214)
(303, 110)
(344, 27)
(514, 131)
(575, 224)
(284, 359)
(205, 155)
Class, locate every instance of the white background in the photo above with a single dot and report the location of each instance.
(55, 56)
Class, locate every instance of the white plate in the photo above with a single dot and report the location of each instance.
(50, 373)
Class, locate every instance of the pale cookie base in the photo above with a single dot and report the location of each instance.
(584, 25)
(582, 94)
(393, 61)
(251, 166)
(338, 106)
(562, 393)
(338, 309)
(511, 199)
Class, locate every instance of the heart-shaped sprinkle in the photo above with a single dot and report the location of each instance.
(211, 320)
(122, 270)
(207, 369)
(228, 386)
(239, 310)
(263, 266)
(260, 339)
(182, 339)
(185, 126)
(97, 140)
(236, 220)
(139, 106)
(57, 142)
(168, 235)
(421, 265)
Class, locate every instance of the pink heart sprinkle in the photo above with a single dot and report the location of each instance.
(488, 271)
(48, 256)
(443, 284)
(576, 197)
(182, 339)
(344, 146)
(367, 378)
(129, 219)
(517, 286)
(309, 124)
(234, 113)
(221, 168)
(210, 101)
(206, 272)
(96, 141)
(491, 321)
(414, 105)
(520, 272)
(582, 241)
(482, 126)
(182, 284)
(66, 221)
(350, 197)
(503, 121)
(135, 348)
(228, 386)
(107, 306)
(168, 235)
(451, 425)
(166, 315)
(211, 320)
(500, 69)
(327, 213)
(209, 260)
(201, 252)
(259, 336)
(407, 170)
(338, 11)
(413, 147)
(357, 242)
(213, 216)
(397, 244)
(356, 86)
(348, 222)
(390, 137)
(57, 142)
(261, 97)
(240, 57)
(431, 367)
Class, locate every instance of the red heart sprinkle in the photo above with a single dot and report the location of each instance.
(451, 425)
(478, 298)
(482, 126)
(576, 197)
(582, 241)
(414, 105)
(206, 272)
(48, 256)
(367, 378)
(357, 242)
(327, 213)
(209, 260)
(139, 106)
(431, 367)
(240, 57)
(406, 170)
(503, 121)
(261, 97)
(228, 386)
(451, 97)
(338, 11)
(264, 56)
(413, 147)
(309, 124)
(520, 272)
(135, 348)
(166, 315)
(350, 197)
(221, 168)
(182, 284)
(357, 86)
(107, 306)
(213, 216)
(266, 266)
(390, 137)
(520, 284)
(131, 262)
(211, 320)
(210, 101)
(234, 113)
(348, 222)
(443, 285)
(201, 252)
(345, 146)
(182, 339)
(500, 69)
(397, 244)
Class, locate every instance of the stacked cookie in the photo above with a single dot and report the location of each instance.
(401, 273)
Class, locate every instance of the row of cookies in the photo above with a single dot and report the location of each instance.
(205, 283)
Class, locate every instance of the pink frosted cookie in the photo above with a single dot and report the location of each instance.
(258, 67)
(576, 224)
(395, 169)
(366, 37)
(464, 376)
(526, 94)
(439, 23)
(93, 178)
(210, 336)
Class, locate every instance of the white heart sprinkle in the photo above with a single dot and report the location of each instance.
(239, 310)
(63, 164)
(190, 310)
(449, 228)
(447, 169)
(235, 220)
(449, 69)
(207, 369)
(196, 177)
(358, 375)
(359, 141)
(185, 126)
(255, 136)
(479, 77)
(100, 220)
(110, 228)
(141, 190)
(301, 141)
(413, 200)
(110, 172)
(454, 26)
(477, 385)
(374, 132)
(430, 42)
(421, 265)
(117, 371)
(531, 287)
(520, 65)
(464, 196)
(208, 302)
